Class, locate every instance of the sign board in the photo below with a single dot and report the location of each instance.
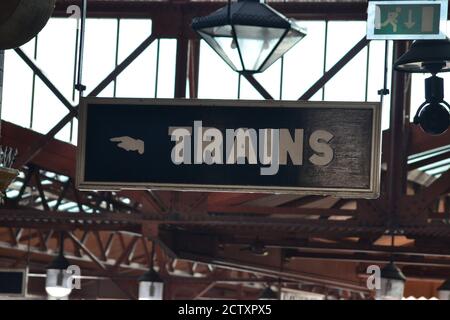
(296, 147)
(396, 20)
(2, 62)
(290, 294)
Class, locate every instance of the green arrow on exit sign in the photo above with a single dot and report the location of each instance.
(407, 19)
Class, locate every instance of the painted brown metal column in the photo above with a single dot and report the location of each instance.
(181, 67)
(398, 140)
(194, 64)
(2, 61)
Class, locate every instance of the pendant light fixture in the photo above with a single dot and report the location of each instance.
(444, 291)
(151, 286)
(429, 56)
(268, 294)
(57, 282)
(248, 34)
(392, 284)
(433, 115)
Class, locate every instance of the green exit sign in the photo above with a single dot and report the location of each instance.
(397, 20)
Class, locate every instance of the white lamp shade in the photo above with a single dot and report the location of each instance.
(57, 283)
(392, 284)
(151, 290)
(391, 289)
(444, 291)
(444, 294)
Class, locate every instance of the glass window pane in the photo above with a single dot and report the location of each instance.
(376, 70)
(56, 53)
(349, 83)
(48, 111)
(167, 65)
(248, 92)
(75, 132)
(56, 57)
(138, 79)
(216, 79)
(270, 79)
(132, 33)
(303, 64)
(100, 53)
(17, 87)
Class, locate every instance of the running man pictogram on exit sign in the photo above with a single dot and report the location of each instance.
(425, 19)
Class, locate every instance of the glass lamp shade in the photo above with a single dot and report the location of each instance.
(151, 286)
(444, 291)
(392, 283)
(268, 294)
(425, 56)
(248, 35)
(57, 283)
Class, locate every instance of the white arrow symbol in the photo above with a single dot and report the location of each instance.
(410, 23)
(129, 144)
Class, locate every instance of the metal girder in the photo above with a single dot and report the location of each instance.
(122, 66)
(421, 142)
(81, 245)
(258, 87)
(190, 245)
(274, 211)
(232, 199)
(95, 269)
(193, 67)
(133, 223)
(181, 68)
(306, 10)
(383, 259)
(37, 71)
(274, 271)
(436, 189)
(33, 150)
(346, 248)
(68, 221)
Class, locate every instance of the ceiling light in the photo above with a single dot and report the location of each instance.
(392, 283)
(58, 281)
(248, 34)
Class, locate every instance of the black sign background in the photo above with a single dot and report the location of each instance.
(105, 163)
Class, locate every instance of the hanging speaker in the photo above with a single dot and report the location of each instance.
(22, 20)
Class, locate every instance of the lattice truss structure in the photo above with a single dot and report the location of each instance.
(222, 245)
